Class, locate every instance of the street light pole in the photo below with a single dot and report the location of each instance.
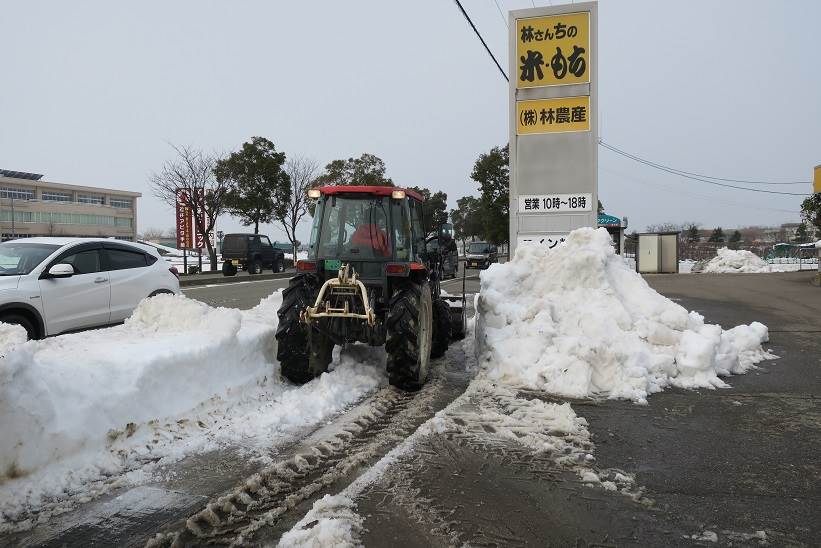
(12, 215)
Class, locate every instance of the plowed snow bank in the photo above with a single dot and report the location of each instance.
(576, 321)
(740, 261)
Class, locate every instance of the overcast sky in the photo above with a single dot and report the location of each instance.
(92, 92)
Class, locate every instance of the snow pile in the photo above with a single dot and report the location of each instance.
(65, 394)
(83, 413)
(736, 261)
(10, 335)
(332, 521)
(576, 321)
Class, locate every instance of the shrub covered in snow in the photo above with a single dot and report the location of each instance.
(741, 261)
(576, 321)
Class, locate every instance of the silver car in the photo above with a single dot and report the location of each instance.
(50, 286)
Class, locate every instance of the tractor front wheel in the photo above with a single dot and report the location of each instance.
(409, 326)
(293, 349)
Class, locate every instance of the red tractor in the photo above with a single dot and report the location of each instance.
(368, 278)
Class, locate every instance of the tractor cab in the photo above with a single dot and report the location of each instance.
(368, 278)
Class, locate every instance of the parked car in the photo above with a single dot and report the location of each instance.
(481, 255)
(50, 286)
(251, 252)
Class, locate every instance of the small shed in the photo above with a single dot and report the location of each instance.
(657, 253)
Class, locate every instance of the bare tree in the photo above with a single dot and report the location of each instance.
(151, 234)
(303, 173)
(192, 173)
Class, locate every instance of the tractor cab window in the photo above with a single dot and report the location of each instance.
(402, 235)
(354, 228)
(314, 243)
(418, 233)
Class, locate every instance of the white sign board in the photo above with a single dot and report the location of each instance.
(554, 203)
(553, 106)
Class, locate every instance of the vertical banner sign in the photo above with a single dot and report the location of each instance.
(199, 239)
(816, 181)
(553, 117)
(183, 224)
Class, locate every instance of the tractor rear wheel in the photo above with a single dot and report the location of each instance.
(441, 328)
(292, 335)
(409, 326)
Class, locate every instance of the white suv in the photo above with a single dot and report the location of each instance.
(53, 285)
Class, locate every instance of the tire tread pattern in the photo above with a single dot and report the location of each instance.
(292, 334)
(402, 345)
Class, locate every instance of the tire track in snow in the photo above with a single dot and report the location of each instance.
(326, 457)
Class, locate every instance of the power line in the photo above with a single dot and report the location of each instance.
(677, 190)
(504, 19)
(681, 174)
(458, 3)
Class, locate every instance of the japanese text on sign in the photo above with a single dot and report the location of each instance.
(553, 50)
(184, 233)
(553, 115)
(555, 203)
(548, 240)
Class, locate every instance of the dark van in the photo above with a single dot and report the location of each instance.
(251, 252)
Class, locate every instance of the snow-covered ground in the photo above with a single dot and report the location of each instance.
(300, 255)
(83, 413)
(576, 321)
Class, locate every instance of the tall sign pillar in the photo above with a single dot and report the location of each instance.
(553, 122)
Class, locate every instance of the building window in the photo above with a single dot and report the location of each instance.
(89, 199)
(9, 192)
(56, 196)
(120, 202)
(19, 216)
(59, 218)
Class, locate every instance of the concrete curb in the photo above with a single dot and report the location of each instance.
(194, 280)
